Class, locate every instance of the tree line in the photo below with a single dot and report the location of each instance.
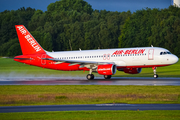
(73, 24)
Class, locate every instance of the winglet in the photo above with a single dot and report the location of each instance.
(28, 44)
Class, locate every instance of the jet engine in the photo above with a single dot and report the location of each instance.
(132, 70)
(109, 69)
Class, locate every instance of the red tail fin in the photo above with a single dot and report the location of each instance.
(28, 44)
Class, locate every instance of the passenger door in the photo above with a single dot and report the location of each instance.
(151, 54)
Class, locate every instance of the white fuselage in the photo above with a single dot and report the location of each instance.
(137, 57)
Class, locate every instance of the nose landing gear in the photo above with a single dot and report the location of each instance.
(154, 69)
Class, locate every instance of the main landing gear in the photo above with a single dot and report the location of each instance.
(154, 69)
(90, 76)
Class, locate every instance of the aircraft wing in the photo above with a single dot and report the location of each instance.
(74, 62)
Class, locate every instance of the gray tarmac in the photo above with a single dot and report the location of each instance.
(137, 107)
(84, 81)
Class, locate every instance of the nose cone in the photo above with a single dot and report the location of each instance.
(174, 59)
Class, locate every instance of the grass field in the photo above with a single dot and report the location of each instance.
(10, 68)
(92, 115)
(11, 95)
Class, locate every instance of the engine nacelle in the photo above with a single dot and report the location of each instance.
(108, 69)
(132, 70)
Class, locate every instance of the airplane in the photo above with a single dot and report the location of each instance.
(102, 61)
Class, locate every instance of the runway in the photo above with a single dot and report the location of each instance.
(90, 107)
(84, 81)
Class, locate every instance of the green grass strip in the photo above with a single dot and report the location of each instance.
(94, 115)
(12, 95)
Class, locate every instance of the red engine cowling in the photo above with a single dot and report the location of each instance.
(108, 69)
(132, 70)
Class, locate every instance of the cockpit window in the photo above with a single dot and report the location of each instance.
(164, 53)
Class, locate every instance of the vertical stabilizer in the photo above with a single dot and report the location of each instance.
(28, 44)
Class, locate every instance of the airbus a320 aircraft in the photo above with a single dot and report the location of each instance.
(103, 61)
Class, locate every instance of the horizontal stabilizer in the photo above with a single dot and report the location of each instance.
(23, 58)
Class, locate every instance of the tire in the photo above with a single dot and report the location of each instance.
(90, 76)
(107, 76)
(155, 76)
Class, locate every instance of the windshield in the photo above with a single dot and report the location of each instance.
(164, 53)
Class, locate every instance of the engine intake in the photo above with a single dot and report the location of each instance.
(133, 70)
(109, 69)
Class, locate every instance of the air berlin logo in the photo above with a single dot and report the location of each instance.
(127, 52)
(104, 69)
(29, 38)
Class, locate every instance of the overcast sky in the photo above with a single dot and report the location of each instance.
(110, 5)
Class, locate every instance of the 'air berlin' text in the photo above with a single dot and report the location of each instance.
(135, 51)
(29, 38)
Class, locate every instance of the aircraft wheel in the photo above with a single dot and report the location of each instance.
(107, 76)
(90, 76)
(155, 76)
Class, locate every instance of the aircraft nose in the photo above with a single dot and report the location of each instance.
(174, 59)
